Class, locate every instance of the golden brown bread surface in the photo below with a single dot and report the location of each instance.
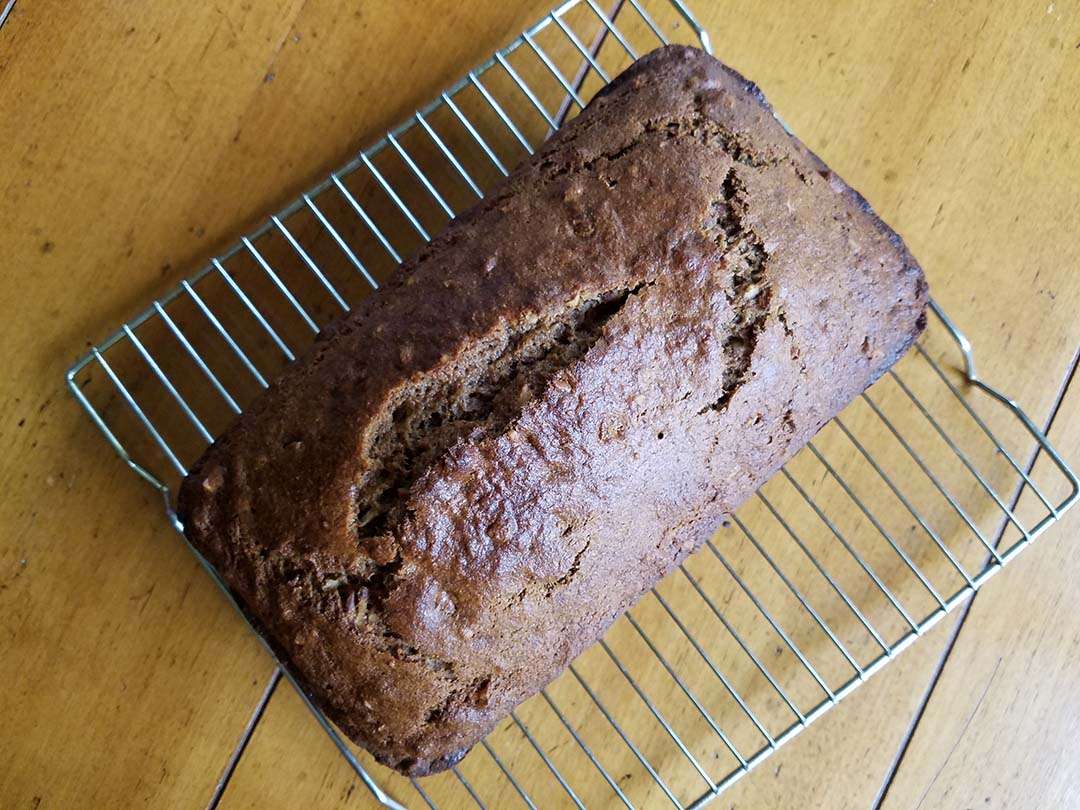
(471, 475)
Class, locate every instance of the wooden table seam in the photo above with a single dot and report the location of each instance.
(245, 738)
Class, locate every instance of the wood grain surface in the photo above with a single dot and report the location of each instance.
(141, 138)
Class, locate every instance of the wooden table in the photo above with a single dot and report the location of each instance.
(139, 138)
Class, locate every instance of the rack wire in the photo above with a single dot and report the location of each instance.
(897, 512)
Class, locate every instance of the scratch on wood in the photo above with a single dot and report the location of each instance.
(960, 736)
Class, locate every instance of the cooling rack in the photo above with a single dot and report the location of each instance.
(898, 511)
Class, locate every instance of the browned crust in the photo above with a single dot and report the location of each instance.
(760, 295)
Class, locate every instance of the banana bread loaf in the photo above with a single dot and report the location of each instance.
(470, 476)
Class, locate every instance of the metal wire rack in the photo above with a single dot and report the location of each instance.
(894, 515)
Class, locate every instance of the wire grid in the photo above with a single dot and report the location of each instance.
(898, 510)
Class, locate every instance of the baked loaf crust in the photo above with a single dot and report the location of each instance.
(470, 476)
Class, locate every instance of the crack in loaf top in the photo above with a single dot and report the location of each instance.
(470, 475)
